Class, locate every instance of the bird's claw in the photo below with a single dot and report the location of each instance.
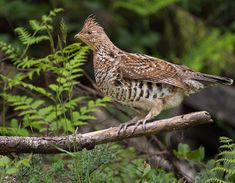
(123, 127)
(143, 122)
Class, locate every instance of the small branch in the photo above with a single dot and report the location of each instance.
(47, 145)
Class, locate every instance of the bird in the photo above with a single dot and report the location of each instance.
(142, 82)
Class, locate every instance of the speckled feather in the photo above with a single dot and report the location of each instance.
(140, 81)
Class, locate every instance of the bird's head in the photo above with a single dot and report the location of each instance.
(92, 34)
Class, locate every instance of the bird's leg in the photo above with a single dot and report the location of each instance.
(157, 108)
(124, 126)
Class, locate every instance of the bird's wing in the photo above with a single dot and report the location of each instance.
(150, 69)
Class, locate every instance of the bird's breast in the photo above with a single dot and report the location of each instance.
(134, 93)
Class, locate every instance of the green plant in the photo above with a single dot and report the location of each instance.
(184, 152)
(142, 7)
(51, 108)
(55, 109)
(221, 170)
(213, 48)
(41, 71)
(69, 167)
(55, 106)
(9, 167)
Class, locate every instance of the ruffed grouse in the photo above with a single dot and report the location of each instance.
(142, 82)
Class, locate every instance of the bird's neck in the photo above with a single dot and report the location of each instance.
(105, 55)
(106, 44)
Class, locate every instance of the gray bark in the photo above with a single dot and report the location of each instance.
(76, 142)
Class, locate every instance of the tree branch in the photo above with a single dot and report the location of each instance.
(76, 142)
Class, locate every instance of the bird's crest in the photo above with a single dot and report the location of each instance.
(91, 21)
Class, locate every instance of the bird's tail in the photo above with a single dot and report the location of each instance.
(210, 79)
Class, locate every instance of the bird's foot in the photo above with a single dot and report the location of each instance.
(123, 127)
(139, 122)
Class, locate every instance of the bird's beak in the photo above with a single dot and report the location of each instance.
(77, 35)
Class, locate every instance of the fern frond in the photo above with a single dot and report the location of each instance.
(227, 153)
(227, 146)
(64, 64)
(226, 160)
(223, 169)
(26, 105)
(71, 104)
(63, 30)
(225, 140)
(22, 102)
(18, 80)
(48, 18)
(28, 39)
(215, 180)
(9, 51)
(34, 113)
(37, 26)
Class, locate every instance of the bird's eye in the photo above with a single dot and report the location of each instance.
(89, 32)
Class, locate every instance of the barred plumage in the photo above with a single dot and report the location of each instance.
(140, 81)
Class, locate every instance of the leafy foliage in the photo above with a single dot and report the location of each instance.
(54, 109)
(221, 170)
(27, 39)
(204, 51)
(73, 167)
(144, 8)
(9, 50)
(102, 164)
(10, 167)
(184, 152)
(45, 25)
(51, 111)
(37, 92)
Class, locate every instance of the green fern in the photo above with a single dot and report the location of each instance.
(215, 180)
(9, 51)
(55, 108)
(13, 129)
(37, 26)
(223, 168)
(28, 39)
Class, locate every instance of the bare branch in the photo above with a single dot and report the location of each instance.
(76, 142)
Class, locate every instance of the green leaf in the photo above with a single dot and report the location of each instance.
(14, 123)
(12, 170)
(66, 124)
(24, 162)
(35, 25)
(147, 169)
(182, 151)
(54, 87)
(197, 154)
(4, 161)
(79, 123)
(231, 177)
(67, 152)
(28, 39)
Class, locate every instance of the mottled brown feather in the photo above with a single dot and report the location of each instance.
(146, 68)
(140, 81)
